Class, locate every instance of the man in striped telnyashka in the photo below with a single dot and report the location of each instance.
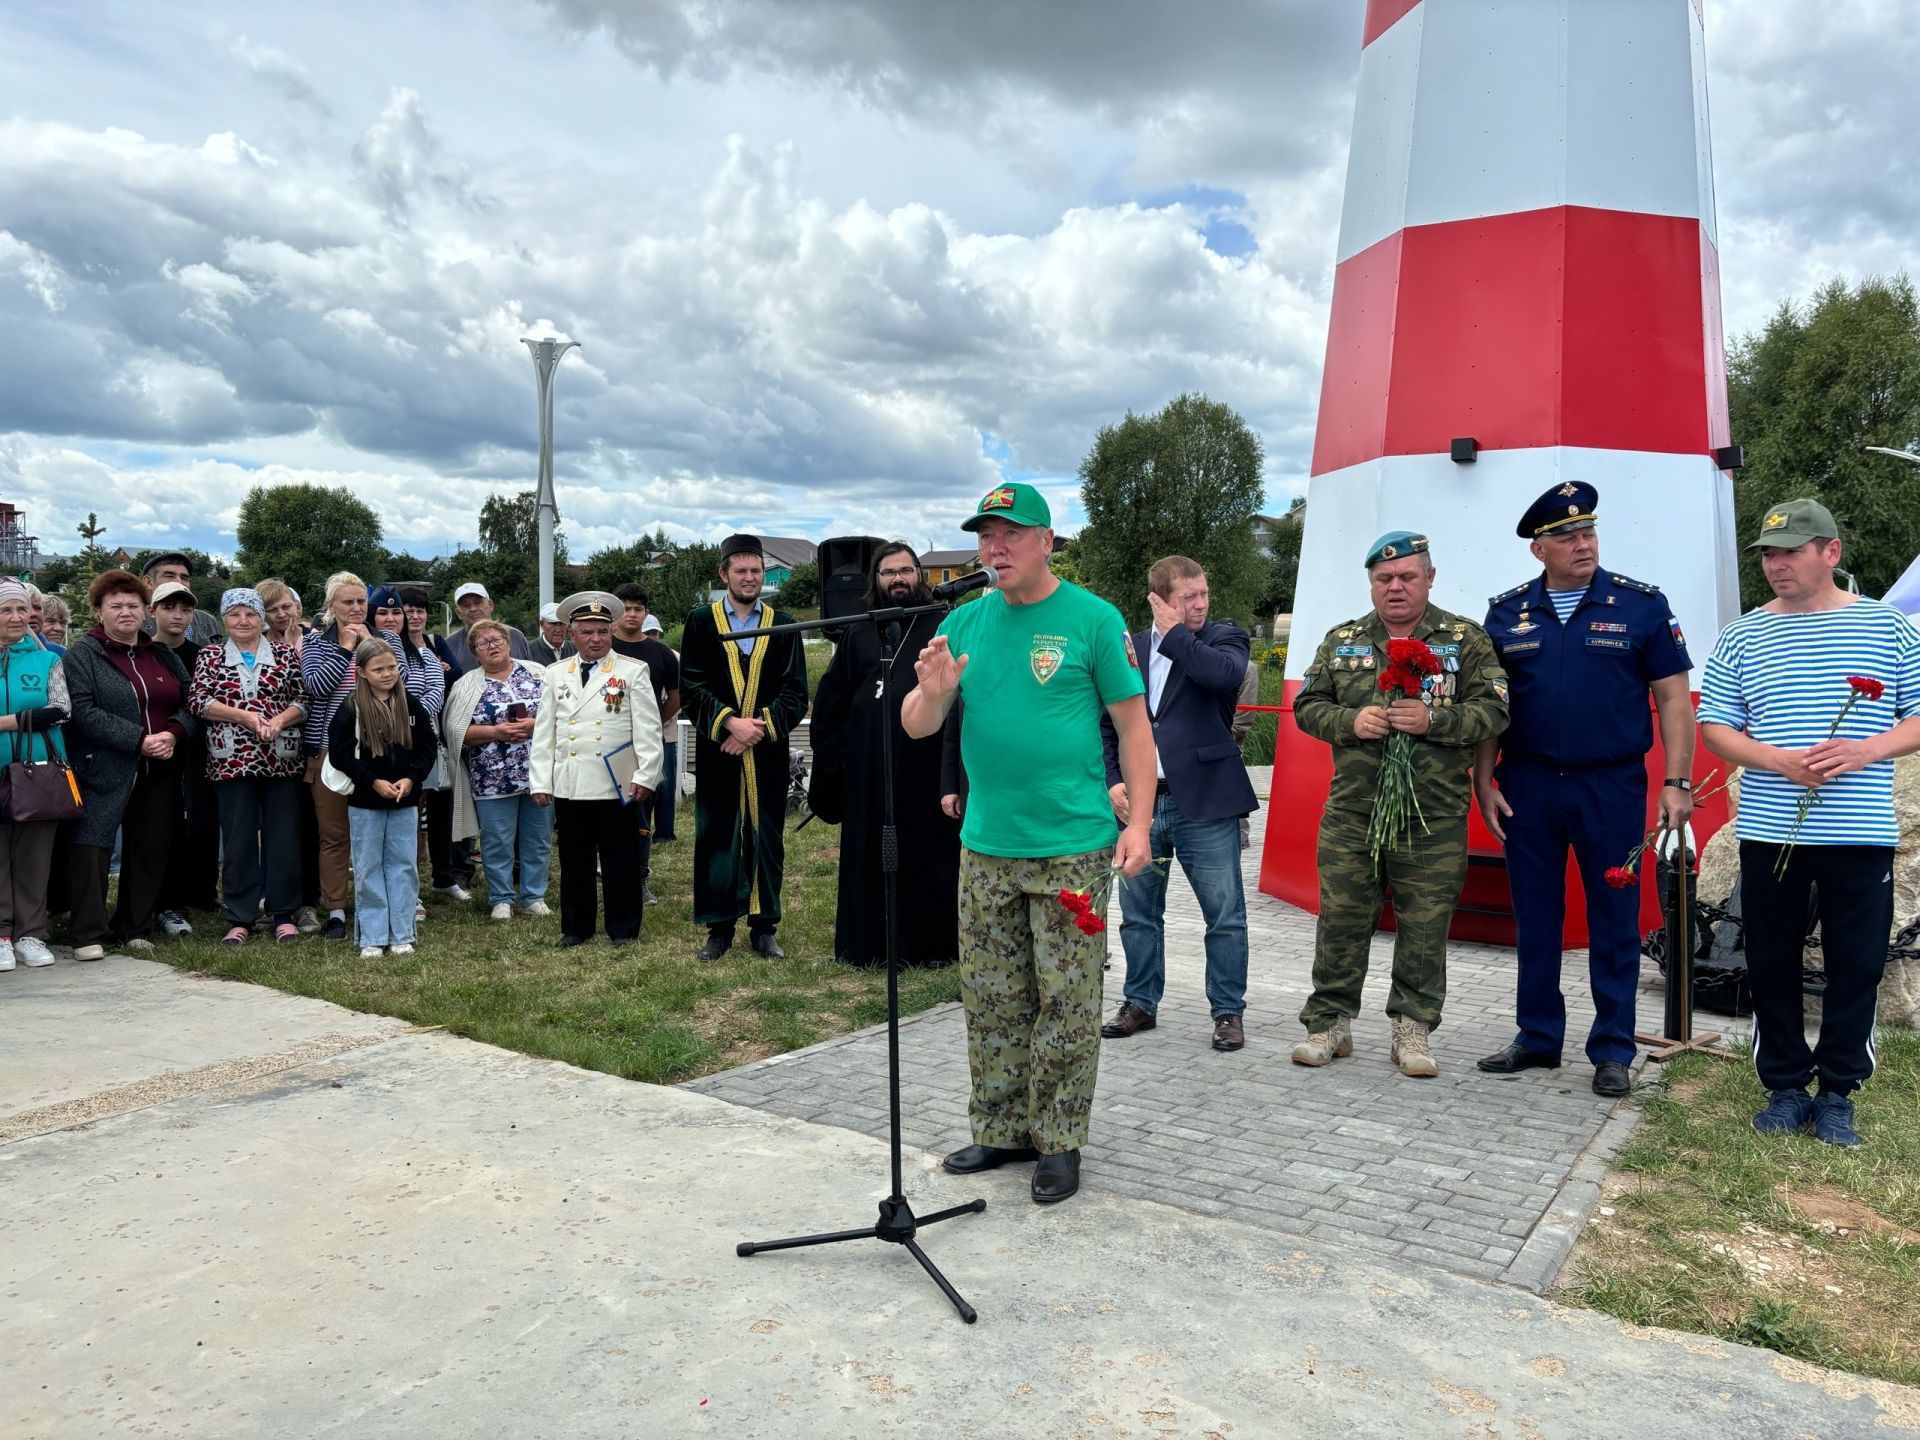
(1776, 682)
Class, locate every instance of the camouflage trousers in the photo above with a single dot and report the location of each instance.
(1424, 876)
(1030, 984)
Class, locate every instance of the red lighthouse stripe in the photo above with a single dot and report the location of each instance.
(1566, 326)
(1381, 16)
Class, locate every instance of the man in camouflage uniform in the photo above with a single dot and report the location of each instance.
(1037, 661)
(1341, 704)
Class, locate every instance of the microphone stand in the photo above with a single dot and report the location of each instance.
(897, 1224)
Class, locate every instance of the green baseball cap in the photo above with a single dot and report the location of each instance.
(1795, 523)
(1014, 501)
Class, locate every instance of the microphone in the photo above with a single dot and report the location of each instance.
(987, 579)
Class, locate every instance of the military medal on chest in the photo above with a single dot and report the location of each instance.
(615, 694)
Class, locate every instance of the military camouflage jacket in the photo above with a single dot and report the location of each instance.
(1468, 698)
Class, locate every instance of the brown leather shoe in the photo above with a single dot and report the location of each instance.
(1227, 1033)
(1130, 1019)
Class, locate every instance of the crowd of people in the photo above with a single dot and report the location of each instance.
(279, 771)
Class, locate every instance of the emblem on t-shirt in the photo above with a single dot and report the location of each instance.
(1045, 656)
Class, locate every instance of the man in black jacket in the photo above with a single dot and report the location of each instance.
(1193, 672)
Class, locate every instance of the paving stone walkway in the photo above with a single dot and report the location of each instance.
(1482, 1175)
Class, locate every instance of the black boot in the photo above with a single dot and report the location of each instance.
(1056, 1177)
(719, 941)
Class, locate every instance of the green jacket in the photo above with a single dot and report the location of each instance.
(1468, 697)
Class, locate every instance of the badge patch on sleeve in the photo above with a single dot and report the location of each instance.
(1132, 659)
(1678, 638)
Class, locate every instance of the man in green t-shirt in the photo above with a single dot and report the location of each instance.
(1037, 661)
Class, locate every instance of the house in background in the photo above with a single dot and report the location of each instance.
(940, 566)
(783, 553)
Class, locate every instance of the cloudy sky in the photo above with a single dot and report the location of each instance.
(836, 265)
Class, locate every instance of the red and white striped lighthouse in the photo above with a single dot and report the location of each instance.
(1528, 259)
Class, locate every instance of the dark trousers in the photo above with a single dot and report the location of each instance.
(439, 807)
(1853, 888)
(260, 839)
(606, 832)
(1599, 813)
(193, 867)
(663, 799)
(147, 836)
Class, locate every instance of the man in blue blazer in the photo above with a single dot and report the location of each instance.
(1193, 672)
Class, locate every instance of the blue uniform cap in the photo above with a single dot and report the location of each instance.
(1396, 545)
(1562, 509)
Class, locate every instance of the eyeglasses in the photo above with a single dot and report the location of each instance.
(905, 574)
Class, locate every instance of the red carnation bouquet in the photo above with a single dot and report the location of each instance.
(1085, 905)
(1859, 687)
(1409, 664)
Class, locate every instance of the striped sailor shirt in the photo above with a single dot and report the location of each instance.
(1783, 680)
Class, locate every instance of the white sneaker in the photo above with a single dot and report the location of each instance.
(539, 907)
(403, 948)
(6, 954)
(454, 892)
(371, 952)
(175, 924)
(139, 945)
(500, 912)
(33, 953)
(307, 920)
(419, 911)
(89, 952)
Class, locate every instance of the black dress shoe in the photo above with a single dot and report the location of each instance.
(718, 943)
(1610, 1077)
(1515, 1058)
(567, 942)
(971, 1159)
(768, 946)
(1056, 1177)
(1129, 1019)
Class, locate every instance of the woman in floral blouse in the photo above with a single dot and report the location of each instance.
(248, 693)
(489, 725)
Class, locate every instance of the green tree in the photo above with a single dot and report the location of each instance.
(509, 555)
(682, 583)
(802, 586)
(1184, 481)
(1806, 395)
(304, 533)
(403, 566)
(93, 555)
(617, 564)
(1066, 560)
(1282, 567)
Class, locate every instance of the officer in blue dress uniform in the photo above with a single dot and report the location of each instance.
(1582, 648)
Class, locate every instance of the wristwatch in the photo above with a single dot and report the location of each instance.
(1681, 783)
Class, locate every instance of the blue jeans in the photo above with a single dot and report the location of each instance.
(502, 822)
(386, 873)
(1209, 855)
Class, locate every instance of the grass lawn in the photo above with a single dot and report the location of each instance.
(649, 1012)
(1784, 1243)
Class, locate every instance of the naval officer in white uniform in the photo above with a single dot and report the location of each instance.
(596, 758)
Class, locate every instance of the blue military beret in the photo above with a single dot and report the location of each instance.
(1396, 545)
(1564, 508)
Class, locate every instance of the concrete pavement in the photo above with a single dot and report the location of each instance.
(422, 1236)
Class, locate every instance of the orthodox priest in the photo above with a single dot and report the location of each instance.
(851, 721)
(743, 694)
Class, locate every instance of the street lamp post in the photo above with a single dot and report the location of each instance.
(546, 509)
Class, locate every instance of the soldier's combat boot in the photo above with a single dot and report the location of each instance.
(1410, 1050)
(1323, 1047)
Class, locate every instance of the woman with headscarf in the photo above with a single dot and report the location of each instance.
(33, 700)
(490, 717)
(329, 675)
(248, 693)
(129, 717)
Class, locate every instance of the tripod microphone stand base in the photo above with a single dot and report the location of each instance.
(897, 1225)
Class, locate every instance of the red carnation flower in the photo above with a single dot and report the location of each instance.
(1075, 902)
(1867, 686)
(1414, 655)
(1621, 878)
(1089, 923)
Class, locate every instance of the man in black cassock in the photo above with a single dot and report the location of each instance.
(743, 696)
(850, 723)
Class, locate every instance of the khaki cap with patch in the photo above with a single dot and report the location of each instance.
(1795, 523)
